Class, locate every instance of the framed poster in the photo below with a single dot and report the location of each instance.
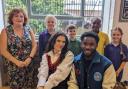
(123, 11)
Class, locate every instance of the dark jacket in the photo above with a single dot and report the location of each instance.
(95, 73)
(43, 40)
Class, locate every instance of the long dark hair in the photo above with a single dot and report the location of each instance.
(52, 41)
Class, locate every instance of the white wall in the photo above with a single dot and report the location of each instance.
(124, 26)
(1, 26)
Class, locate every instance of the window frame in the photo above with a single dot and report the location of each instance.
(65, 17)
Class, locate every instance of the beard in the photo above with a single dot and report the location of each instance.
(90, 54)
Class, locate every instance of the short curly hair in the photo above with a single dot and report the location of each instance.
(16, 11)
(90, 34)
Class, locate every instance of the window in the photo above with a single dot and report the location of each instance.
(78, 12)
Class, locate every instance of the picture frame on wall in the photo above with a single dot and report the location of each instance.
(123, 17)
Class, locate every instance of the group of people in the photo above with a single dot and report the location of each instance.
(66, 63)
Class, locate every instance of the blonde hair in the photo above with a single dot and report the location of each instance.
(117, 29)
(50, 16)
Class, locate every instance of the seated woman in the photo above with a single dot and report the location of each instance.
(56, 64)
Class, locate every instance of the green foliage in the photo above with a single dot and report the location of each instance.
(10, 4)
(47, 7)
(41, 7)
(37, 25)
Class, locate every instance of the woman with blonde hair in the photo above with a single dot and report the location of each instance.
(117, 52)
(50, 23)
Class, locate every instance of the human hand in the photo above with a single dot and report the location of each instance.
(117, 73)
(27, 61)
(41, 87)
(20, 64)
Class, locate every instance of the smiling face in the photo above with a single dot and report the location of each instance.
(17, 16)
(116, 36)
(96, 24)
(88, 45)
(50, 23)
(72, 33)
(59, 43)
(18, 19)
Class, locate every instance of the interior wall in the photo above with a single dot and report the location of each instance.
(123, 25)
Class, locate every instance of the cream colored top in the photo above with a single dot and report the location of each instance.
(59, 75)
(109, 79)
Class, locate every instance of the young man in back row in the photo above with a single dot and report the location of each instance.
(103, 37)
(74, 44)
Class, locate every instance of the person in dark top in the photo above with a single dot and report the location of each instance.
(117, 52)
(50, 22)
(92, 70)
(74, 44)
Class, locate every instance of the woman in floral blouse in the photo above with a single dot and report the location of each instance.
(18, 46)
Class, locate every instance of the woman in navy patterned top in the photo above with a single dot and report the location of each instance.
(50, 23)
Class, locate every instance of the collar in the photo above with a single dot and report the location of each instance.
(51, 53)
(95, 59)
(73, 40)
(51, 32)
(46, 31)
(115, 45)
